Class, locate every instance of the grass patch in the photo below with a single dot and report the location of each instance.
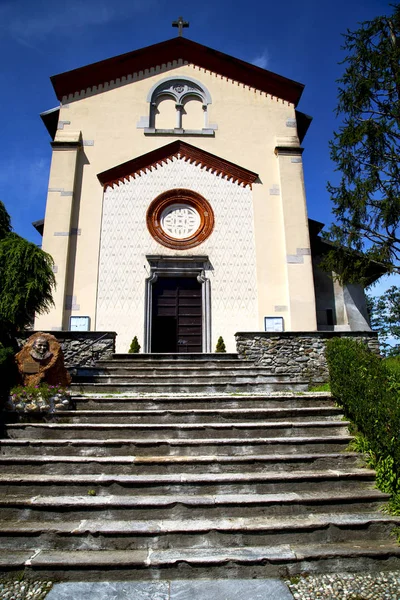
(323, 387)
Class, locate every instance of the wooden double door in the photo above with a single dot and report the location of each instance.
(176, 315)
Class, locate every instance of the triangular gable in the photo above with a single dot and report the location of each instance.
(204, 159)
(178, 48)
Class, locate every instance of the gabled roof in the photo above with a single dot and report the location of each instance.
(168, 51)
(204, 159)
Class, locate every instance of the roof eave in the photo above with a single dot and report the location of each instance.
(75, 81)
(50, 120)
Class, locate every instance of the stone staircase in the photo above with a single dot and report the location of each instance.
(198, 469)
(183, 373)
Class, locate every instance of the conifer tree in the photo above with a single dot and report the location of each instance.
(366, 150)
(384, 312)
(26, 279)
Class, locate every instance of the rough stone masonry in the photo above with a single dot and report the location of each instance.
(297, 354)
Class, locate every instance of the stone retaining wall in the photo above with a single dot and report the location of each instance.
(78, 347)
(297, 354)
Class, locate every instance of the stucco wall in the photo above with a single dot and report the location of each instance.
(125, 241)
(250, 125)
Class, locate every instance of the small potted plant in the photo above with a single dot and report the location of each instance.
(135, 346)
(220, 345)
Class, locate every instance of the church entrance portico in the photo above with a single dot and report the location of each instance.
(177, 305)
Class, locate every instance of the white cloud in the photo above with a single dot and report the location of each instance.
(49, 18)
(261, 60)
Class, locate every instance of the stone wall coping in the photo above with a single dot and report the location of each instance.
(69, 334)
(322, 334)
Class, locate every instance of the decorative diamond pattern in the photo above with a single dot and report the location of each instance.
(125, 241)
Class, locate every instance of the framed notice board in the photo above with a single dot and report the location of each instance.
(273, 324)
(79, 323)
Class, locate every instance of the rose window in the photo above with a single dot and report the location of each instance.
(180, 219)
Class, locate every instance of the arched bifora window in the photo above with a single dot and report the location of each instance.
(178, 106)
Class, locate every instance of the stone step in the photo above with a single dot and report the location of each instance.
(132, 402)
(197, 462)
(63, 507)
(225, 415)
(119, 465)
(161, 533)
(276, 383)
(174, 446)
(190, 483)
(174, 357)
(176, 377)
(253, 561)
(248, 429)
(185, 369)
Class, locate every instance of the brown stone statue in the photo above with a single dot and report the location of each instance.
(41, 360)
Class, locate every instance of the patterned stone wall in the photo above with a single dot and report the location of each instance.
(299, 354)
(125, 242)
(77, 346)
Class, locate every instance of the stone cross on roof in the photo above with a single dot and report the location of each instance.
(180, 23)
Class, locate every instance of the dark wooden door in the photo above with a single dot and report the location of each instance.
(177, 315)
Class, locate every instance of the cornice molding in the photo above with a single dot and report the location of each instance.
(181, 150)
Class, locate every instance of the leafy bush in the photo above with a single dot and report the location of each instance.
(134, 347)
(393, 364)
(220, 345)
(368, 390)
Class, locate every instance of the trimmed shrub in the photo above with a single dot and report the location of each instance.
(135, 346)
(368, 390)
(220, 345)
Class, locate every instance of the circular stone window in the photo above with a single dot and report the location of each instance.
(180, 219)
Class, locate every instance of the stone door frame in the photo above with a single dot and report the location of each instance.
(176, 266)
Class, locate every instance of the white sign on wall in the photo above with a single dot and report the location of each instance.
(79, 323)
(273, 324)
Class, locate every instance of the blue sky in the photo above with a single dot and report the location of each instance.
(300, 40)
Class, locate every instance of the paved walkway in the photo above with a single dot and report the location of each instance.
(222, 589)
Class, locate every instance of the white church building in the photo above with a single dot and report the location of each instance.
(176, 208)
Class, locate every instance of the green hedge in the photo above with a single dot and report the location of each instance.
(368, 391)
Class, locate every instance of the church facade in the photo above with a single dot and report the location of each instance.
(176, 207)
